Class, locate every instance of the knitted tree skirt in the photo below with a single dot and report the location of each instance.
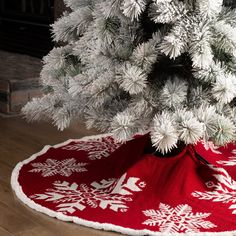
(103, 184)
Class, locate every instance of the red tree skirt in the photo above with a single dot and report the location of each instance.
(102, 184)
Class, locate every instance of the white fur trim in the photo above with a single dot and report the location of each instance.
(96, 225)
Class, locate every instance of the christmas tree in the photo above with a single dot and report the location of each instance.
(167, 67)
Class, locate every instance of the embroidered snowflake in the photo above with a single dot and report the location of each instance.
(178, 219)
(224, 190)
(96, 148)
(53, 167)
(231, 161)
(112, 194)
(210, 146)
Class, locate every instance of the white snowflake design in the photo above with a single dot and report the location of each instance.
(178, 219)
(53, 167)
(223, 191)
(209, 145)
(231, 161)
(112, 194)
(96, 148)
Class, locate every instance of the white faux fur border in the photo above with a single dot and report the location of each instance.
(96, 225)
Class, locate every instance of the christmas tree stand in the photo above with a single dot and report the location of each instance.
(103, 184)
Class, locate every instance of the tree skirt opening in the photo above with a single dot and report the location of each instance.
(100, 183)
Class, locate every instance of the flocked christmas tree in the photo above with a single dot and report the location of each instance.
(167, 67)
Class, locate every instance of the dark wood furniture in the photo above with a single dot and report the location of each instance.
(25, 26)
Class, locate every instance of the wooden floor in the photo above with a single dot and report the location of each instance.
(19, 140)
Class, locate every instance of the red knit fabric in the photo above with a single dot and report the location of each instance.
(121, 188)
